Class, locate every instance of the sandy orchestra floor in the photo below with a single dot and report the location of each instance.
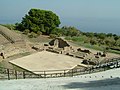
(43, 61)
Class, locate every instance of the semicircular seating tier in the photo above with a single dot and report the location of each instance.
(10, 35)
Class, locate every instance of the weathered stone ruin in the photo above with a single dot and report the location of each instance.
(59, 43)
(85, 51)
(88, 62)
(61, 46)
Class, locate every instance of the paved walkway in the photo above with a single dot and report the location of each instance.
(107, 80)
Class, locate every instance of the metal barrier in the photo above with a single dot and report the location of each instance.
(6, 73)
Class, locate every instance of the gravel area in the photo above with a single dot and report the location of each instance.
(107, 80)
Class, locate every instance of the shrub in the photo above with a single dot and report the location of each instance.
(32, 35)
(53, 36)
(26, 31)
(39, 33)
(93, 42)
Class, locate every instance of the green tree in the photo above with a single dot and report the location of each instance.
(116, 38)
(70, 31)
(101, 36)
(109, 35)
(93, 42)
(39, 20)
(57, 32)
(89, 34)
(109, 42)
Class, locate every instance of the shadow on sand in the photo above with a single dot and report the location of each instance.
(94, 84)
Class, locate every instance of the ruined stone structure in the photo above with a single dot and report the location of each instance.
(59, 43)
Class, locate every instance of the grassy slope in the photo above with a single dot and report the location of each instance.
(80, 42)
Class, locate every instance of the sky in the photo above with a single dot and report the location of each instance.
(86, 15)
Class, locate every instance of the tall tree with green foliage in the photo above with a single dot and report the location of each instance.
(39, 20)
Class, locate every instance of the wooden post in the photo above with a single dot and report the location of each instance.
(8, 72)
(64, 73)
(89, 70)
(23, 74)
(60, 74)
(44, 74)
(15, 74)
(56, 74)
(104, 68)
(39, 75)
(51, 75)
(117, 63)
(72, 72)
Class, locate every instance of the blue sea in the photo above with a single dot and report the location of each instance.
(100, 25)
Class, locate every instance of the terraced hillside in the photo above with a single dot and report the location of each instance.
(3, 40)
(11, 42)
(10, 35)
